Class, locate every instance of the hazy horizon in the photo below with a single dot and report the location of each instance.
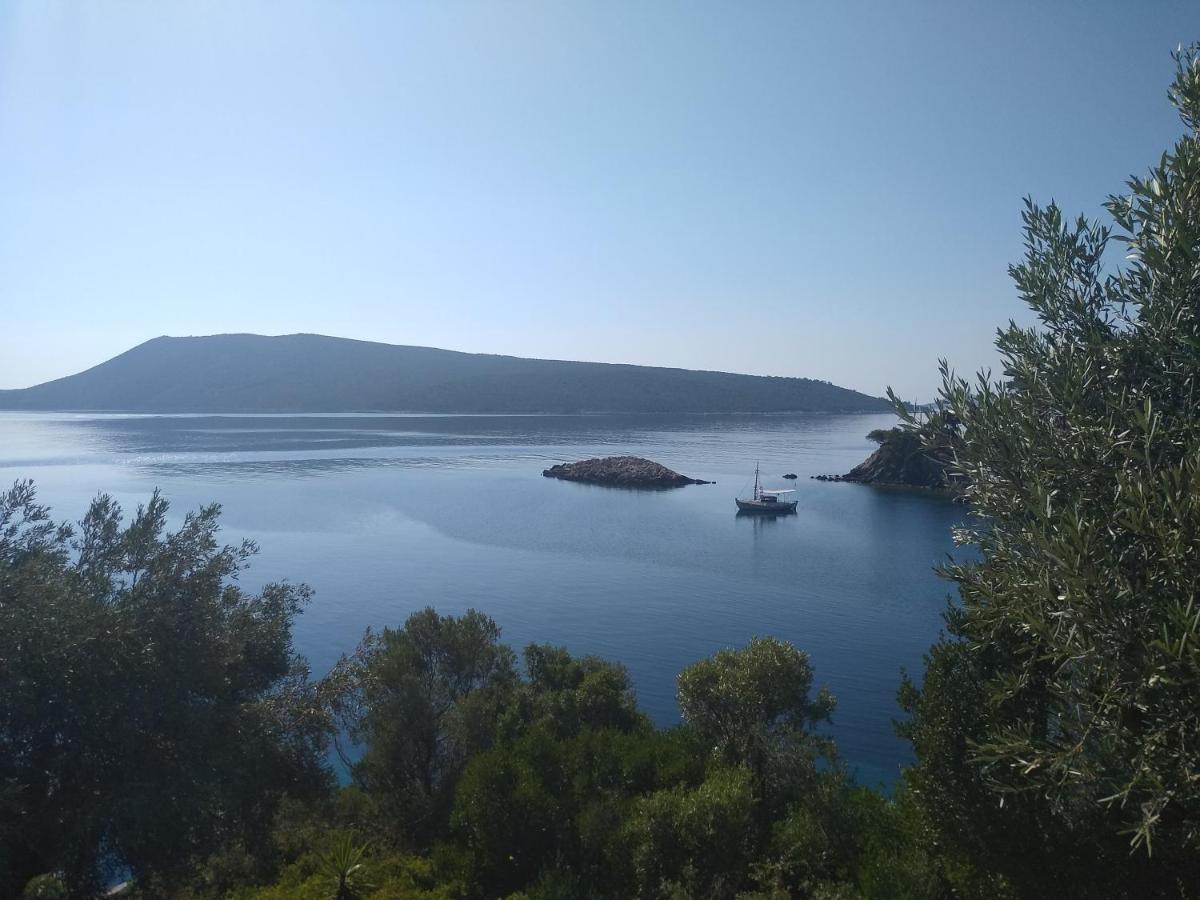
(828, 193)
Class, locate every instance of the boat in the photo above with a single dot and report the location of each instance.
(764, 502)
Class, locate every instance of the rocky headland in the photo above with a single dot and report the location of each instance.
(621, 471)
(900, 462)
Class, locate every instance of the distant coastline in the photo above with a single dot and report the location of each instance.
(314, 374)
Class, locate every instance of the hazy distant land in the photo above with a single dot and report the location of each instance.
(312, 373)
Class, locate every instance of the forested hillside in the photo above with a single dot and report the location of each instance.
(314, 373)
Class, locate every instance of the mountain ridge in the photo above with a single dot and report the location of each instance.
(316, 373)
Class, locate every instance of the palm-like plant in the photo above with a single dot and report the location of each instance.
(343, 865)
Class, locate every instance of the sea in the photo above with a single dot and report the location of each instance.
(383, 515)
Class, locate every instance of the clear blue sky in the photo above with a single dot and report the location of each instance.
(661, 183)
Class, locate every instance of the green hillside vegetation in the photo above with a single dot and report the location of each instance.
(905, 458)
(155, 722)
(314, 373)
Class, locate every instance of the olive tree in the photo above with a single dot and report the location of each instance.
(1066, 698)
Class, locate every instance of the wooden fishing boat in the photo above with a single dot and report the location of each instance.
(764, 502)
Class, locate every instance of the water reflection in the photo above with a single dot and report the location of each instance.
(249, 434)
(291, 467)
(762, 521)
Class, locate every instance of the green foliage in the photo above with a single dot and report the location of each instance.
(45, 887)
(573, 797)
(421, 699)
(569, 693)
(382, 876)
(695, 842)
(342, 867)
(574, 794)
(507, 816)
(882, 435)
(895, 849)
(129, 660)
(1059, 722)
(547, 802)
(753, 706)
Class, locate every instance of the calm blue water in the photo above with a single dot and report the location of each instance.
(383, 515)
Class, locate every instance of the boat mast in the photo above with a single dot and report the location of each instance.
(756, 481)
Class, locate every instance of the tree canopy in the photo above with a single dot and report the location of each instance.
(1067, 687)
(151, 710)
(420, 699)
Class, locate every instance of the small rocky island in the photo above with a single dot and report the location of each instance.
(621, 471)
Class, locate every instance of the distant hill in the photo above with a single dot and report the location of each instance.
(314, 373)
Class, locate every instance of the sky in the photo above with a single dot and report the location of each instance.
(823, 190)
